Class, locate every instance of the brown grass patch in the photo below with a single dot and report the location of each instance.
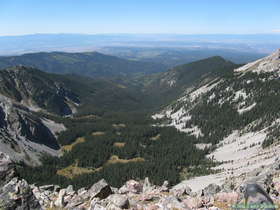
(119, 144)
(74, 170)
(154, 138)
(69, 147)
(98, 133)
(115, 159)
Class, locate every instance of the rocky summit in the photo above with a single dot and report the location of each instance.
(16, 193)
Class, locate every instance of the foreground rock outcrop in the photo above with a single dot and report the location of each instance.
(17, 194)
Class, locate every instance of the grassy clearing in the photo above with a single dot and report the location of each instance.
(98, 133)
(115, 159)
(68, 148)
(74, 170)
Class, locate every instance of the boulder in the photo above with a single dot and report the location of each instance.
(119, 200)
(147, 185)
(17, 195)
(60, 200)
(100, 190)
(181, 189)
(131, 186)
(96, 205)
(170, 203)
(7, 171)
(47, 187)
(211, 189)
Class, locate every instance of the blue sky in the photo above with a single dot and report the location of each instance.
(139, 16)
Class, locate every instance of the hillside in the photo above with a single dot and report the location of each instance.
(170, 85)
(171, 57)
(221, 122)
(91, 64)
(36, 106)
(235, 115)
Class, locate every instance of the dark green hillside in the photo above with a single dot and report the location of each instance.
(91, 64)
(140, 151)
(54, 93)
(167, 86)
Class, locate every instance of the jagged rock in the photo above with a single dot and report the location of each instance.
(181, 189)
(47, 187)
(70, 190)
(211, 189)
(131, 186)
(119, 200)
(7, 171)
(112, 207)
(147, 186)
(100, 189)
(60, 200)
(95, 205)
(17, 195)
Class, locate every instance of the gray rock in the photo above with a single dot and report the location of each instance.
(100, 189)
(70, 190)
(60, 200)
(7, 170)
(47, 187)
(211, 189)
(119, 200)
(147, 186)
(17, 195)
(96, 205)
(181, 189)
(170, 203)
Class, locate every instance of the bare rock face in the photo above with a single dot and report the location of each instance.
(7, 171)
(17, 195)
(100, 190)
(211, 189)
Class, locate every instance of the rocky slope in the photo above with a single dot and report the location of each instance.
(25, 136)
(235, 115)
(16, 193)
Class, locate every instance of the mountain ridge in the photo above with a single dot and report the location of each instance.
(91, 64)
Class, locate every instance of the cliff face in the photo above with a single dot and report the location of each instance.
(24, 92)
(16, 193)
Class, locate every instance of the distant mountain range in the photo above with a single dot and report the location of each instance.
(15, 45)
(171, 57)
(91, 64)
